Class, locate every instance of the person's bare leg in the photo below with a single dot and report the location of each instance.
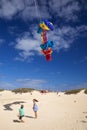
(22, 121)
(35, 114)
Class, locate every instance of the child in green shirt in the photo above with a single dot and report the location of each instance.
(21, 113)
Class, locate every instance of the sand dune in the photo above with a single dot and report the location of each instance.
(56, 112)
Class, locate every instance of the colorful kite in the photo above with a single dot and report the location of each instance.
(46, 45)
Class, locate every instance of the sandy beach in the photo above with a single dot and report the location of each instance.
(56, 111)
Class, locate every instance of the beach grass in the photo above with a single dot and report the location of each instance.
(85, 91)
(1, 90)
(23, 90)
(75, 91)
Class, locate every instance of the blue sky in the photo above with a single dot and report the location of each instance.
(21, 61)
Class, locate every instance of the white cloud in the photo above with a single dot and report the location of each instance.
(64, 37)
(23, 8)
(9, 8)
(65, 9)
(26, 83)
(28, 46)
(32, 83)
(69, 10)
(26, 9)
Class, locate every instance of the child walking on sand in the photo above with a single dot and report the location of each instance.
(35, 107)
(21, 113)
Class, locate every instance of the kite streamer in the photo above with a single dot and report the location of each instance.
(46, 46)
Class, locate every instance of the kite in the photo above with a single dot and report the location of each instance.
(46, 46)
(44, 27)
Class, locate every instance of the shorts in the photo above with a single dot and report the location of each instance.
(20, 117)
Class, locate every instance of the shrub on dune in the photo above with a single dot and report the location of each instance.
(85, 91)
(23, 90)
(1, 90)
(75, 91)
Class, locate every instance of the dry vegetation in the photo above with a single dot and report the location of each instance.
(75, 91)
(85, 91)
(23, 90)
(1, 90)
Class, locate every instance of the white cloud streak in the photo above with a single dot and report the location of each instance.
(23, 8)
(24, 83)
(28, 46)
(8, 8)
(65, 9)
(32, 83)
(64, 37)
(26, 9)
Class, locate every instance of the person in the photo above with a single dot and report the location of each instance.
(35, 107)
(21, 113)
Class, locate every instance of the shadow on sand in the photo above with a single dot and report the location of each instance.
(29, 116)
(8, 106)
(16, 121)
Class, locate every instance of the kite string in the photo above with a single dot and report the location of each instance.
(36, 9)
